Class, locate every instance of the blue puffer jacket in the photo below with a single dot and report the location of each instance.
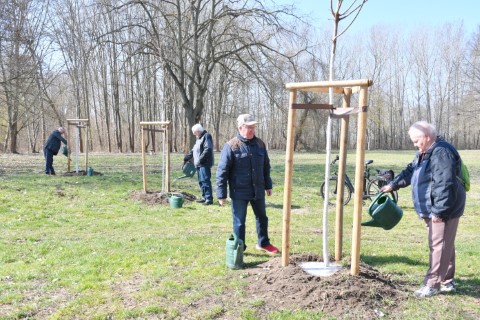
(436, 189)
(245, 166)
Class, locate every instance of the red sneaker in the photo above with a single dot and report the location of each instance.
(270, 249)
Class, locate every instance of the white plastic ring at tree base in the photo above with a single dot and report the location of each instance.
(319, 269)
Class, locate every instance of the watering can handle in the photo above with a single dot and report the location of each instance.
(381, 194)
(378, 196)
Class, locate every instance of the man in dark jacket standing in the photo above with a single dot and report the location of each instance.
(52, 147)
(202, 154)
(245, 166)
(438, 198)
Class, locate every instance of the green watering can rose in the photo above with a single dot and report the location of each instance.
(384, 212)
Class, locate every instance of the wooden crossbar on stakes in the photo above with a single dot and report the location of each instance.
(79, 124)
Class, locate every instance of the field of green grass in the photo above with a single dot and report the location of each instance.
(78, 247)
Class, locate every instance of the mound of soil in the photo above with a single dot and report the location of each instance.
(371, 294)
(154, 198)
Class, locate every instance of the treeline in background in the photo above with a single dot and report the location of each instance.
(118, 63)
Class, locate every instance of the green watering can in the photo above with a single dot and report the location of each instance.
(384, 212)
(234, 252)
(65, 151)
(176, 201)
(188, 170)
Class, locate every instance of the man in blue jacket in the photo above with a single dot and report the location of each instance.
(202, 154)
(245, 167)
(52, 146)
(439, 200)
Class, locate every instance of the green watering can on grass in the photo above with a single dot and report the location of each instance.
(384, 212)
(176, 201)
(234, 252)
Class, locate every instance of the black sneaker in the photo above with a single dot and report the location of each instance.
(201, 200)
(207, 203)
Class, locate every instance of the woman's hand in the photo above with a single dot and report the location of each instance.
(386, 188)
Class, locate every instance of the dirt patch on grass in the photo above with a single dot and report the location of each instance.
(270, 287)
(155, 198)
(371, 294)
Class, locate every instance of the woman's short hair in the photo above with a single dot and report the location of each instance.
(424, 127)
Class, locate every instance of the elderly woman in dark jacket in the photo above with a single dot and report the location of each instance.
(438, 198)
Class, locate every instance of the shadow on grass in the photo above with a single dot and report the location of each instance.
(259, 259)
(280, 206)
(468, 285)
(390, 259)
(253, 264)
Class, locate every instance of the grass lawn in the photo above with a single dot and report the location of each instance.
(78, 247)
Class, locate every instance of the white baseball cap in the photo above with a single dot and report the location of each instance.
(246, 119)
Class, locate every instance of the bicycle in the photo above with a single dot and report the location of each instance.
(371, 186)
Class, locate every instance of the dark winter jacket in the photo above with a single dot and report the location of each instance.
(436, 189)
(245, 166)
(202, 151)
(54, 141)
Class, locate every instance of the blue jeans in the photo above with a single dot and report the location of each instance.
(239, 214)
(204, 175)
(48, 161)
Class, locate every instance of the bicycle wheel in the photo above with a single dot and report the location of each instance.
(332, 194)
(373, 189)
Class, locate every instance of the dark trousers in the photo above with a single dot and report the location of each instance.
(205, 183)
(239, 213)
(48, 161)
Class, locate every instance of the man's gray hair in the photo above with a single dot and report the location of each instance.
(61, 129)
(197, 128)
(425, 127)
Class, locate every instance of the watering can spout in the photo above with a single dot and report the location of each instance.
(371, 223)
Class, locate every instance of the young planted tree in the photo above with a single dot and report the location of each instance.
(353, 9)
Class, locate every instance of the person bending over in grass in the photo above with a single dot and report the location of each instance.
(245, 166)
(438, 198)
(51, 148)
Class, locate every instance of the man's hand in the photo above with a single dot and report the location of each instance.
(222, 201)
(269, 192)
